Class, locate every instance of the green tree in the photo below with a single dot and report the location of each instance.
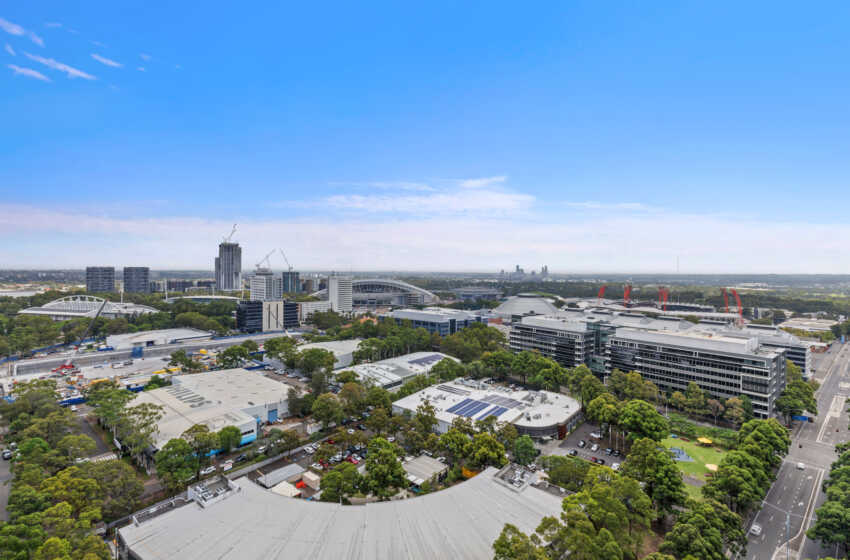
(487, 451)
(229, 438)
(734, 410)
(604, 409)
(695, 399)
(120, 487)
(138, 426)
(342, 481)
(176, 464)
(327, 409)
(513, 544)
(314, 360)
(77, 446)
(653, 465)
(641, 419)
(378, 421)
(590, 388)
(109, 401)
(705, 530)
(678, 400)
(233, 357)
(202, 441)
(524, 450)
(457, 445)
(384, 472)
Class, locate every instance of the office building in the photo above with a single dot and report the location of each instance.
(568, 342)
(228, 267)
(137, 279)
(340, 293)
(291, 282)
(249, 316)
(308, 285)
(265, 285)
(438, 320)
(100, 279)
(279, 315)
(722, 366)
(307, 308)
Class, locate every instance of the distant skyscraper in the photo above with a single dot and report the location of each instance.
(291, 282)
(340, 293)
(228, 267)
(137, 279)
(100, 279)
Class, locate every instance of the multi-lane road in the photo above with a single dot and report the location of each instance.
(789, 507)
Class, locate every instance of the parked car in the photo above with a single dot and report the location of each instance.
(582, 443)
(74, 408)
(600, 461)
(207, 471)
(616, 466)
(262, 448)
(596, 435)
(573, 453)
(317, 466)
(594, 447)
(350, 432)
(391, 439)
(755, 530)
(241, 458)
(617, 453)
(226, 466)
(7, 454)
(608, 451)
(594, 460)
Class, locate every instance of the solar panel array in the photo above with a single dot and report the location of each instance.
(455, 390)
(426, 360)
(501, 401)
(495, 411)
(468, 407)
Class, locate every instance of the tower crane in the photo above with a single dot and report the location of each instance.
(227, 239)
(265, 260)
(285, 259)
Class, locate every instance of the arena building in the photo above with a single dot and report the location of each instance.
(77, 306)
(384, 292)
(536, 413)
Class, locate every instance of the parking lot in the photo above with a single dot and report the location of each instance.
(583, 433)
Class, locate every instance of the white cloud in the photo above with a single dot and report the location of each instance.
(479, 202)
(15, 29)
(9, 49)
(62, 67)
(29, 72)
(612, 206)
(145, 57)
(141, 69)
(106, 61)
(638, 243)
(52, 24)
(481, 182)
(98, 44)
(388, 185)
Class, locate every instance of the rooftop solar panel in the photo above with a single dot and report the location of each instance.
(462, 403)
(487, 413)
(426, 360)
(462, 411)
(475, 409)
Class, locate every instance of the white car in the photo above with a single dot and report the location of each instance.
(755, 530)
(207, 471)
(615, 466)
(226, 466)
(594, 447)
(391, 439)
(350, 432)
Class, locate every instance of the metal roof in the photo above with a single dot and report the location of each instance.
(255, 524)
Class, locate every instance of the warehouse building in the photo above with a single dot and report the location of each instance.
(343, 350)
(536, 413)
(393, 372)
(247, 522)
(155, 338)
(438, 320)
(230, 397)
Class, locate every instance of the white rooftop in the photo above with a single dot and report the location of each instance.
(533, 409)
(254, 524)
(161, 336)
(395, 370)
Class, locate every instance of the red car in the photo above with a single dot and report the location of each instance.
(324, 464)
(330, 441)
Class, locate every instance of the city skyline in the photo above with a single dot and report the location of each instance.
(589, 138)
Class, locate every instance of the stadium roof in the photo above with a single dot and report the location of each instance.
(86, 306)
(525, 305)
(254, 524)
(390, 283)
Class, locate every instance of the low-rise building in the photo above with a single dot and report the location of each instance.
(307, 308)
(343, 350)
(424, 468)
(393, 372)
(440, 320)
(155, 338)
(230, 397)
(536, 413)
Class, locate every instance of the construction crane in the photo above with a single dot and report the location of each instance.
(663, 294)
(265, 260)
(285, 259)
(627, 292)
(601, 294)
(737, 300)
(228, 238)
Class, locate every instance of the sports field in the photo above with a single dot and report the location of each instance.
(701, 455)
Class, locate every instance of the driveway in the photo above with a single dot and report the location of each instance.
(5, 486)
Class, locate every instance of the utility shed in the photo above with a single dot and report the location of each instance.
(423, 468)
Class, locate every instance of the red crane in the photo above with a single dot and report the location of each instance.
(663, 294)
(725, 299)
(627, 292)
(725, 293)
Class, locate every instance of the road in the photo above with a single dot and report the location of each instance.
(789, 506)
(5, 486)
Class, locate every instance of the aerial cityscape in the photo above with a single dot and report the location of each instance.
(388, 281)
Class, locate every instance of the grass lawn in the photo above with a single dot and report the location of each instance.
(701, 456)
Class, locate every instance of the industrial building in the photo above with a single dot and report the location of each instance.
(228, 267)
(440, 320)
(247, 522)
(137, 279)
(155, 338)
(340, 293)
(393, 372)
(343, 350)
(536, 413)
(100, 279)
(229, 397)
(73, 307)
(385, 292)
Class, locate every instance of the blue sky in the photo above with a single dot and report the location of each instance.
(587, 136)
